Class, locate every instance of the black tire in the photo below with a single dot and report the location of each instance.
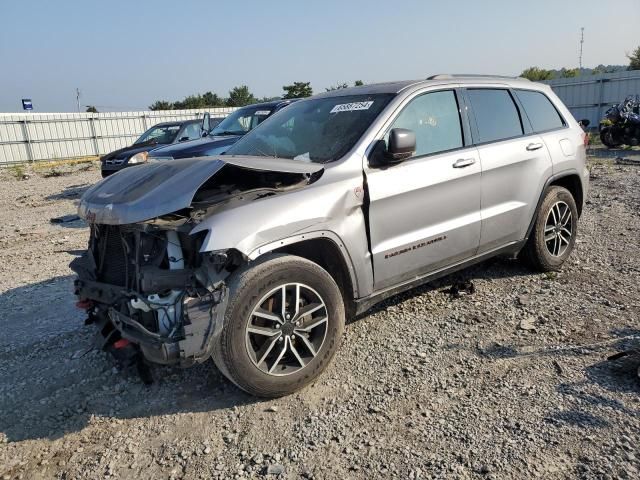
(537, 252)
(247, 287)
(606, 137)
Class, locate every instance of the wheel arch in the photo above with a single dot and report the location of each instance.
(569, 180)
(326, 250)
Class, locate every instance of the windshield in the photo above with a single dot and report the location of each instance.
(164, 134)
(242, 120)
(319, 130)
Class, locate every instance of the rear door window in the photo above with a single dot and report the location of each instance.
(496, 114)
(540, 111)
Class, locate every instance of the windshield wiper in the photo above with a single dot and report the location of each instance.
(228, 132)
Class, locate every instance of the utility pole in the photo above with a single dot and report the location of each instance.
(581, 43)
(78, 99)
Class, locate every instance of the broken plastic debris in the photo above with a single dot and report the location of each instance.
(465, 287)
(65, 219)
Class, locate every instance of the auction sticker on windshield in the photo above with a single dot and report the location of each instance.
(263, 112)
(350, 107)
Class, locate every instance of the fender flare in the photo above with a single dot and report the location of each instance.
(550, 180)
(326, 234)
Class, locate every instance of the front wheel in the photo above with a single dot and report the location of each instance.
(554, 232)
(282, 326)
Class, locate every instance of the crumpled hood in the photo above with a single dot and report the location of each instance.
(159, 188)
(197, 148)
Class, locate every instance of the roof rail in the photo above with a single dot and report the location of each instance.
(449, 76)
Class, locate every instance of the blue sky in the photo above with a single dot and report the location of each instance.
(123, 55)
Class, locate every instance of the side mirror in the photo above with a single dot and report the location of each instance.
(183, 139)
(206, 124)
(402, 145)
(584, 123)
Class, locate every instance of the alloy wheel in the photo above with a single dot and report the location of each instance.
(558, 229)
(287, 329)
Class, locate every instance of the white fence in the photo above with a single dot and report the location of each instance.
(26, 137)
(589, 96)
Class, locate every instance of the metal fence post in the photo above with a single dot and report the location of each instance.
(601, 102)
(93, 136)
(27, 139)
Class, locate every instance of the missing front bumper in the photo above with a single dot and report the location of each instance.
(202, 321)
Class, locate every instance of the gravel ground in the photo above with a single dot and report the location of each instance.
(426, 385)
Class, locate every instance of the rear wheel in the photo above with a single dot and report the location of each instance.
(554, 232)
(607, 138)
(282, 326)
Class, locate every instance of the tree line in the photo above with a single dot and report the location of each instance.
(240, 96)
(537, 74)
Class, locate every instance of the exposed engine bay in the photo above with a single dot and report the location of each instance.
(152, 288)
(147, 284)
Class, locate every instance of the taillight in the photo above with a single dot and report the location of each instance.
(585, 138)
(122, 343)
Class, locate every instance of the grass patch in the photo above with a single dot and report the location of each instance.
(52, 164)
(18, 171)
(594, 139)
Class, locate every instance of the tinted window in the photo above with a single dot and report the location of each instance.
(435, 119)
(191, 131)
(163, 134)
(496, 115)
(242, 120)
(541, 112)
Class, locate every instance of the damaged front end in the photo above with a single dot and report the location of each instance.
(146, 281)
(150, 289)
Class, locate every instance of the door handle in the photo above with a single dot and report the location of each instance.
(534, 146)
(464, 162)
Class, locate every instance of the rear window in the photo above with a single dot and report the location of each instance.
(496, 114)
(540, 111)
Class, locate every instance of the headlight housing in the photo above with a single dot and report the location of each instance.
(139, 158)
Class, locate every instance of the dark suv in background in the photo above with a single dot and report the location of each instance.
(225, 134)
(161, 134)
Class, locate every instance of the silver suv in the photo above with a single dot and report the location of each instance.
(255, 258)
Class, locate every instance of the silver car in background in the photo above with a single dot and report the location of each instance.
(256, 258)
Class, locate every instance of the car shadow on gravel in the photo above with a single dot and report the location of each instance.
(53, 382)
(605, 382)
(71, 192)
(491, 269)
(620, 372)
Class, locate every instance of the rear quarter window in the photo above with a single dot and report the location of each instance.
(540, 111)
(496, 114)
